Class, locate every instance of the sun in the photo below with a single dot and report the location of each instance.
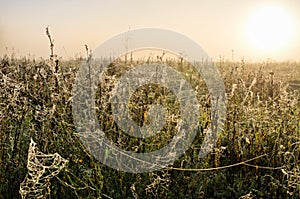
(269, 29)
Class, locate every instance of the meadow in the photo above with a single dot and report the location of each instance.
(256, 156)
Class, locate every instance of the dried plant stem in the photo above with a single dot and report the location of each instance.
(51, 43)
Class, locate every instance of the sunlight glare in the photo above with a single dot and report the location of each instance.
(270, 29)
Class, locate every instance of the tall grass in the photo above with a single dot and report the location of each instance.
(262, 121)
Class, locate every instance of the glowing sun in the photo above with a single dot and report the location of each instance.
(270, 29)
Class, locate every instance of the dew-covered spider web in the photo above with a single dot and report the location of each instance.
(41, 168)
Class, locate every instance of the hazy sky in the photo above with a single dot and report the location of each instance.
(217, 25)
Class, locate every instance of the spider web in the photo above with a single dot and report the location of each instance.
(41, 168)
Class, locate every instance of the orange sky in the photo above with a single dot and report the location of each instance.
(217, 25)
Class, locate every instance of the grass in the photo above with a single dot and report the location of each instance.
(262, 120)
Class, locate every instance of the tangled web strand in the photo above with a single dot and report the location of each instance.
(41, 168)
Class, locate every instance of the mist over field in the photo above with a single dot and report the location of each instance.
(136, 99)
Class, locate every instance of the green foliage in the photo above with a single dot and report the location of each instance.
(262, 119)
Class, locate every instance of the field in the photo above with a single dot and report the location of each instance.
(256, 156)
